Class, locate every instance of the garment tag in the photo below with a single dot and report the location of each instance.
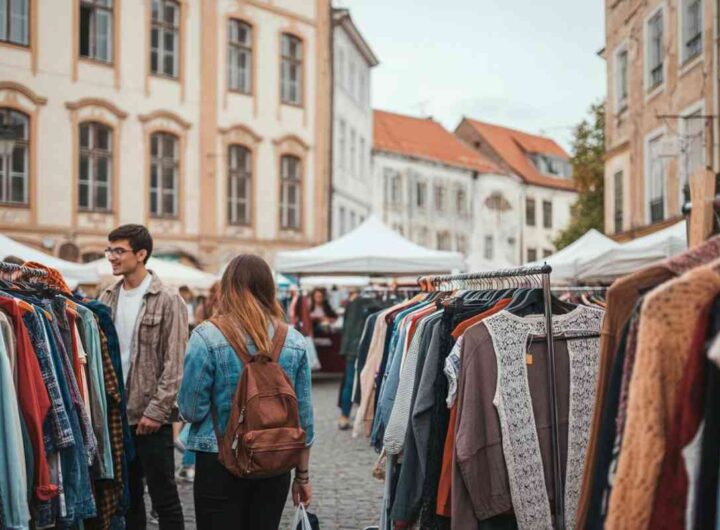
(528, 359)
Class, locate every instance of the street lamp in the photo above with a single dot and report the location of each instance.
(7, 140)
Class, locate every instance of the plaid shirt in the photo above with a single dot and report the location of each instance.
(62, 332)
(60, 435)
(109, 333)
(108, 493)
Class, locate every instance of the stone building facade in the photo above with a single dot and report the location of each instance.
(662, 90)
(207, 120)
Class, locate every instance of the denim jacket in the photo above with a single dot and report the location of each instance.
(211, 373)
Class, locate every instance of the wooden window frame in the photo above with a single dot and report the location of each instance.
(240, 48)
(547, 214)
(530, 220)
(94, 154)
(163, 27)
(285, 182)
(6, 162)
(95, 6)
(292, 61)
(234, 177)
(163, 161)
(8, 25)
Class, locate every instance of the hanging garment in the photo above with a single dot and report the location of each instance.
(706, 507)
(621, 297)
(13, 474)
(669, 317)
(672, 504)
(515, 451)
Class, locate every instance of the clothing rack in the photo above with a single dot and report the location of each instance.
(578, 289)
(26, 271)
(458, 281)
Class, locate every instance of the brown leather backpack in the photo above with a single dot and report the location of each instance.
(263, 437)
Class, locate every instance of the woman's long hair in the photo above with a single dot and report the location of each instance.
(327, 308)
(247, 300)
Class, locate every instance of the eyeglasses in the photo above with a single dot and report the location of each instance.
(115, 252)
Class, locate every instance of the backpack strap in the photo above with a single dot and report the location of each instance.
(281, 331)
(236, 345)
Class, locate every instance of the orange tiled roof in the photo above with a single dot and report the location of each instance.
(515, 146)
(425, 138)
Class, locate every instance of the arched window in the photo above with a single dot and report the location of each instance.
(240, 56)
(239, 185)
(290, 192)
(164, 174)
(15, 167)
(95, 178)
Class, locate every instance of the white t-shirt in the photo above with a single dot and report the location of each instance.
(128, 307)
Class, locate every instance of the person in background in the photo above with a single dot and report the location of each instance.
(212, 370)
(189, 299)
(152, 326)
(321, 313)
(206, 307)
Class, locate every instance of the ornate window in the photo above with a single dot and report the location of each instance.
(240, 56)
(15, 168)
(95, 178)
(164, 174)
(239, 185)
(290, 192)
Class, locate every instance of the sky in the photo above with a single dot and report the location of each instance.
(526, 64)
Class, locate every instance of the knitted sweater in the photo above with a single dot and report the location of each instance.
(669, 317)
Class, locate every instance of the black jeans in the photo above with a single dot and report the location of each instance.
(154, 462)
(223, 501)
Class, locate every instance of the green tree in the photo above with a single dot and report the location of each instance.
(588, 172)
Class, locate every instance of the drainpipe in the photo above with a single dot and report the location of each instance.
(331, 143)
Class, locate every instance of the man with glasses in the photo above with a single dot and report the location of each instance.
(152, 326)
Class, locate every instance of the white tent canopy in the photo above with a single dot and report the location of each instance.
(566, 263)
(371, 249)
(171, 273)
(73, 273)
(634, 255)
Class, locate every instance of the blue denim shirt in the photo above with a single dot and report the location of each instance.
(212, 370)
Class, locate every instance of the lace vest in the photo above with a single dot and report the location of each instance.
(512, 399)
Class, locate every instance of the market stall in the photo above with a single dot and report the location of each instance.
(371, 250)
(566, 263)
(634, 255)
(74, 273)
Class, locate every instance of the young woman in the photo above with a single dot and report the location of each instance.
(321, 312)
(212, 370)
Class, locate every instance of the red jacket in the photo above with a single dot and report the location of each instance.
(33, 399)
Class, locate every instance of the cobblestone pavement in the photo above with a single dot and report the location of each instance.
(345, 495)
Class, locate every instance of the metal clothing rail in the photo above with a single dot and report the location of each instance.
(456, 281)
(26, 271)
(577, 289)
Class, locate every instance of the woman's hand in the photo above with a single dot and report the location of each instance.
(301, 493)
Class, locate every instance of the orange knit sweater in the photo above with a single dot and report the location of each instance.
(669, 317)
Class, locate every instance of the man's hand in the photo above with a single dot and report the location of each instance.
(147, 426)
